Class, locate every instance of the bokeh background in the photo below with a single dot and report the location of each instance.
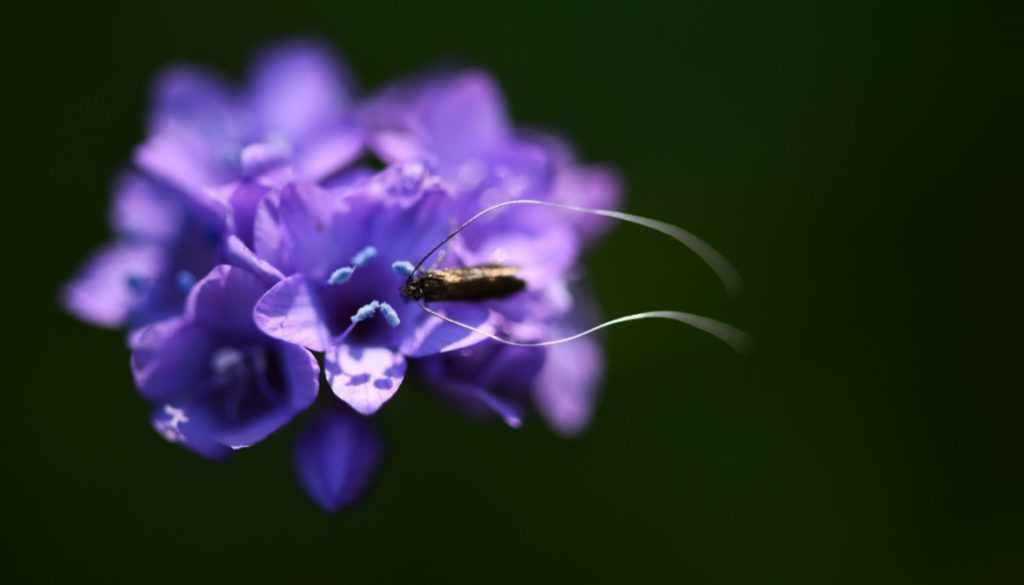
(837, 152)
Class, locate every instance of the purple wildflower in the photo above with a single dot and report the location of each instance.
(336, 456)
(163, 244)
(458, 125)
(486, 379)
(212, 154)
(359, 320)
(295, 111)
(249, 236)
(218, 382)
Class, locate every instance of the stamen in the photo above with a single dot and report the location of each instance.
(363, 256)
(365, 312)
(403, 268)
(185, 280)
(341, 275)
(226, 359)
(390, 315)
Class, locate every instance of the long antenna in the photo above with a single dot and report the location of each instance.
(723, 268)
(739, 340)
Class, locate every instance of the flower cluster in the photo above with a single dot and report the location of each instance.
(262, 226)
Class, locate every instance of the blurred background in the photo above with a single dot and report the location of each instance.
(838, 153)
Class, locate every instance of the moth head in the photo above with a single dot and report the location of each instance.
(421, 287)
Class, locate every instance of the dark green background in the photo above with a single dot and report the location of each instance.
(836, 152)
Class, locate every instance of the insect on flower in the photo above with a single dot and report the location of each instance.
(492, 281)
(256, 255)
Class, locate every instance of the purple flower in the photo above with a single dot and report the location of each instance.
(164, 242)
(457, 124)
(486, 379)
(249, 236)
(561, 382)
(341, 293)
(336, 455)
(294, 112)
(213, 153)
(217, 381)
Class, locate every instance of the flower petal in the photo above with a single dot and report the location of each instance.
(298, 230)
(179, 423)
(145, 211)
(469, 118)
(336, 456)
(259, 157)
(424, 334)
(321, 156)
(238, 254)
(112, 287)
(196, 131)
(170, 356)
(223, 302)
(297, 88)
(184, 163)
(542, 258)
(301, 379)
(192, 100)
(364, 377)
(596, 187)
(488, 378)
(289, 312)
(567, 388)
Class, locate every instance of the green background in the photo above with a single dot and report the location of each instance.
(836, 152)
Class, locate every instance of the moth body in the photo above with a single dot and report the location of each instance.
(468, 283)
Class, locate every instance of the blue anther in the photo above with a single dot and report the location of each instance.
(341, 275)
(366, 311)
(363, 256)
(185, 280)
(390, 315)
(403, 268)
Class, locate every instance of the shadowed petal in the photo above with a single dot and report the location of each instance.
(486, 378)
(238, 254)
(301, 380)
(364, 377)
(289, 312)
(336, 456)
(223, 302)
(170, 356)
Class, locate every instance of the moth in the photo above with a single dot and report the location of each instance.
(494, 281)
(469, 283)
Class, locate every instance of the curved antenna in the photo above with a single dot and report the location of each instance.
(723, 268)
(739, 340)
